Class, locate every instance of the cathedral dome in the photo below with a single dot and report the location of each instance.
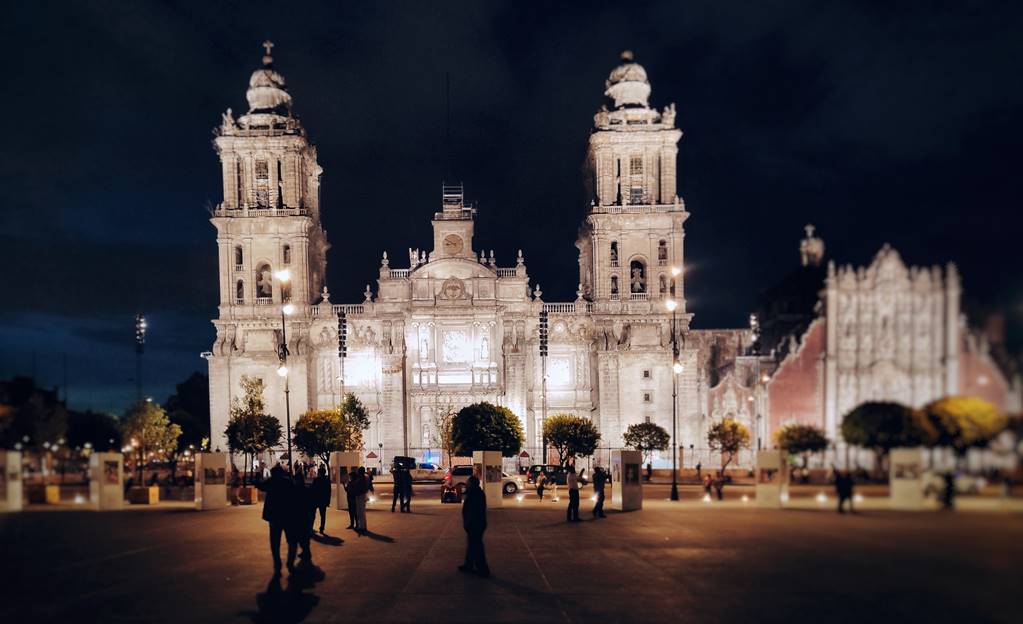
(267, 91)
(628, 85)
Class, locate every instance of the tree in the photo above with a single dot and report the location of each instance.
(39, 418)
(319, 433)
(150, 433)
(728, 437)
(189, 407)
(249, 429)
(962, 423)
(647, 437)
(882, 426)
(486, 427)
(801, 440)
(442, 430)
(100, 431)
(571, 436)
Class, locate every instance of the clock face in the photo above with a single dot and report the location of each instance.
(452, 244)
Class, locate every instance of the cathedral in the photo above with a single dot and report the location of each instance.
(446, 326)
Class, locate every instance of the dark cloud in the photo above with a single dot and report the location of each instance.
(878, 123)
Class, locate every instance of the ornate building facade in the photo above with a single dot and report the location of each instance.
(452, 327)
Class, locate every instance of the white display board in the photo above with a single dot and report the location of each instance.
(626, 489)
(488, 465)
(10, 481)
(906, 478)
(342, 462)
(772, 478)
(106, 481)
(210, 481)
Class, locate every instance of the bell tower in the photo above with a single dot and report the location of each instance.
(453, 225)
(269, 220)
(630, 248)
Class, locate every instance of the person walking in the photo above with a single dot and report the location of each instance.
(707, 483)
(699, 469)
(572, 482)
(541, 484)
(599, 479)
(362, 486)
(321, 495)
(719, 485)
(474, 521)
(346, 483)
(276, 511)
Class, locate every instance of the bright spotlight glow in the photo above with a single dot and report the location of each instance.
(520, 497)
(822, 498)
(785, 497)
(745, 499)
(593, 498)
(857, 498)
(706, 498)
(372, 499)
(288, 309)
(282, 371)
(283, 275)
(677, 367)
(79, 499)
(676, 271)
(671, 304)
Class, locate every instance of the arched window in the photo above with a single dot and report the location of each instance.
(239, 291)
(673, 287)
(238, 255)
(286, 252)
(614, 253)
(614, 285)
(264, 281)
(637, 276)
(663, 280)
(662, 253)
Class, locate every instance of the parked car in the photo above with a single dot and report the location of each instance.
(457, 477)
(427, 472)
(553, 472)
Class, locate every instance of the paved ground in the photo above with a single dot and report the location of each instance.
(671, 562)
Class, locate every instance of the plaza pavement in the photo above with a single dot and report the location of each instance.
(671, 562)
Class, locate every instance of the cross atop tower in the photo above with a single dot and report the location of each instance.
(268, 46)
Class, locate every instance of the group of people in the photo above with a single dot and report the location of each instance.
(715, 483)
(402, 494)
(572, 482)
(290, 509)
(357, 486)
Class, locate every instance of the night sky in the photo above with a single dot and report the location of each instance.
(876, 123)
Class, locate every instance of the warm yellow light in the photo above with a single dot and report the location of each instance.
(676, 271)
(671, 304)
(283, 275)
(677, 367)
(282, 371)
(288, 309)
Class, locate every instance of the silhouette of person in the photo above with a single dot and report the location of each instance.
(321, 495)
(406, 491)
(844, 490)
(719, 485)
(300, 521)
(474, 521)
(399, 484)
(276, 511)
(541, 483)
(346, 483)
(599, 480)
(572, 481)
(361, 487)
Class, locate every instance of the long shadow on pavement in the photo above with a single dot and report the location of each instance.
(327, 540)
(292, 603)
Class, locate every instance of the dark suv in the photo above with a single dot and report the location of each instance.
(553, 472)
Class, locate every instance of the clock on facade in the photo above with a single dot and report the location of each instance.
(452, 244)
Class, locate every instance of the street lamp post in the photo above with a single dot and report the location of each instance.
(282, 353)
(676, 369)
(140, 347)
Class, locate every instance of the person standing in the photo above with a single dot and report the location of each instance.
(474, 521)
(321, 494)
(399, 485)
(719, 485)
(346, 483)
(406, 492)
(300, 521)
(844, 490)
(699, 469)
(361, 486)
(599, 479)
(276, 511)
(572, 482)
(541, 483)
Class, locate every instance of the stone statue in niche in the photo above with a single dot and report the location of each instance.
(638, 280)
(264, 282)
(325, 337)
(424, 349)
(484, 349)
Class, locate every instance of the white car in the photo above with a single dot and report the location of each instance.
(458, 475)
(427, 472)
